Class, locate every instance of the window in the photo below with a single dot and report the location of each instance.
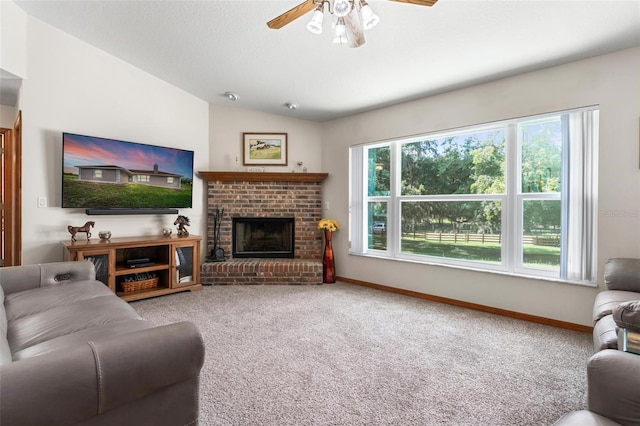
(516, 196)
(169, 180)
(144, 178)
(97, 174)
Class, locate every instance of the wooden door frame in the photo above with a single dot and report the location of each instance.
(12, 181)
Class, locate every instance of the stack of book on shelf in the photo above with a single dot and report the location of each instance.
(629, 341)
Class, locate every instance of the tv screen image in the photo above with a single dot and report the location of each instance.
(101, 173)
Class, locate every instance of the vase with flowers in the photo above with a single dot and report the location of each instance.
(329, 226)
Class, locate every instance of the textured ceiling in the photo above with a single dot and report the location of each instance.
(210, 47)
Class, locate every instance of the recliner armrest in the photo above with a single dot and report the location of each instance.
(613, 386)
(74, 385)
(27, 277)
(62, 272)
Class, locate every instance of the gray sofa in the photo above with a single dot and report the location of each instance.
(622, 280)
(613, 391)
(73, 353)
(613, 376)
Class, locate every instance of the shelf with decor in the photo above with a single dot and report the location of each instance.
(139, 267)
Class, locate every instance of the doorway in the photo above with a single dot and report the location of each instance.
(11, 194)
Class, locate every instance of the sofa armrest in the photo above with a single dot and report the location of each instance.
(27, 277)
(622, 274)
(147, 360)
(613, 382)
(74, 385)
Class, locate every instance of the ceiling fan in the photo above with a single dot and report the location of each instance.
(353, 17)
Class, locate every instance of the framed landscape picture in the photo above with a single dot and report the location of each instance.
(264, 149)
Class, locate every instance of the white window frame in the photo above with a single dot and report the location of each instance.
(578, 246)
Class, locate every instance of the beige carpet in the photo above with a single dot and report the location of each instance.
(347, 355)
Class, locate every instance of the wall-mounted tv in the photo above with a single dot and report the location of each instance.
(108, 176)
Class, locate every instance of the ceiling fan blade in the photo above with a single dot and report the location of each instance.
(355, 35)
(418, 2)
(291, 15)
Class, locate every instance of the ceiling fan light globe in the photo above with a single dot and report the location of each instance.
(341, 33)
(369, 19)
(315, 25)
(341, 7)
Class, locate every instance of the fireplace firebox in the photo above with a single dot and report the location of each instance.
(265, 237)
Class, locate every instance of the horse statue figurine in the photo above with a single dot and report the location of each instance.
(73, 230)
(182, 221)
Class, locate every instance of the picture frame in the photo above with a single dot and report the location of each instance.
(264, 149)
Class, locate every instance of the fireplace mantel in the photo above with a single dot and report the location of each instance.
(262, 176)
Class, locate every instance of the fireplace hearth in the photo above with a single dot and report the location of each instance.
(263, 237)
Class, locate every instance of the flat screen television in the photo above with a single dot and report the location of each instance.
(108, 176)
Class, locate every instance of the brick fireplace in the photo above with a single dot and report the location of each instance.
(265, 195)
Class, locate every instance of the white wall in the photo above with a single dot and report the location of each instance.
(610, 81)
(74, 87)
(228, 123)
(13, 39)
(8, 115)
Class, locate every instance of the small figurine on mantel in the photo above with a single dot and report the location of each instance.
(182, 221)
(86, 228)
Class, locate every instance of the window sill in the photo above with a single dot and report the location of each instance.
(489, 271)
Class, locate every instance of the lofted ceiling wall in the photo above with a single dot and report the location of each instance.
(210, 47)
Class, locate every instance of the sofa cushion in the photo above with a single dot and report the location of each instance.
(622, 274)
(606, 301)
(605, 335)
(49, 321)
(116, 328)
(29, 302)
(627, 315)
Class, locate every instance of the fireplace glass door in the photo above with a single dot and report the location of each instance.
(263, 237)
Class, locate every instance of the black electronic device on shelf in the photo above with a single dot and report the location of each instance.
(139, 263)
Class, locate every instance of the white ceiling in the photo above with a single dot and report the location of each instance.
(210, 47)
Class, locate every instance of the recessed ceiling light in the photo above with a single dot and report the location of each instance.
(231, 96)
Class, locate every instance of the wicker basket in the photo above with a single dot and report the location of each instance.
(139, 285)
